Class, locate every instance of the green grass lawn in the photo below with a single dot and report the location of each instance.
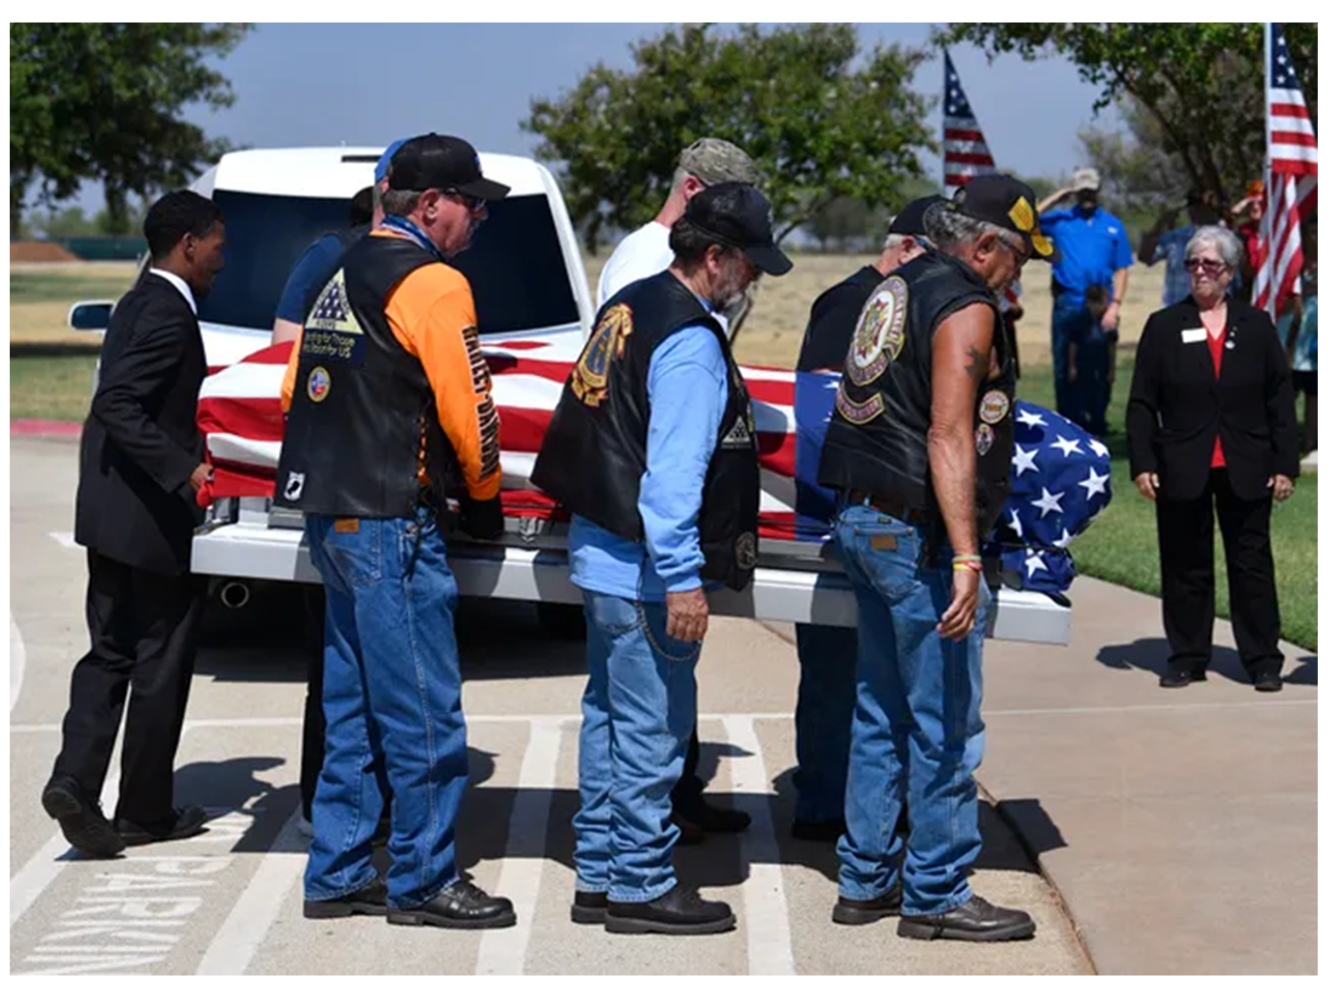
(51, 386)
(50, 285)
(1121, 546)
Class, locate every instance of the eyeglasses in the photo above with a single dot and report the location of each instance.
(1211, 267)
(1019, 252)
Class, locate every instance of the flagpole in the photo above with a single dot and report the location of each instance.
(1266, 224)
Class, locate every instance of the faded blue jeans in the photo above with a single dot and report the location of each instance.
(638, 712)
(917, 734)
(392, 702)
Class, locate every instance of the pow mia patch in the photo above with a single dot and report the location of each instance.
(747, 551)
(295, 485)
(317, 385)
(588, 380)
(985, 439)
(994, 406)
(880, 332)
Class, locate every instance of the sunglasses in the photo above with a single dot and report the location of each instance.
(1209, 266)
(472, 202)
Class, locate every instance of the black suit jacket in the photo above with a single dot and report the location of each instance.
(141, 441)
(1177, 406)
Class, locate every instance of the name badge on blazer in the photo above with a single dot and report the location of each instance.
(1193, 335)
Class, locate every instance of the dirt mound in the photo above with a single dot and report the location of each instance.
(38, 250)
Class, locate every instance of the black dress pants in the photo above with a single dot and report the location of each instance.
(1185, 539)
(143, 629)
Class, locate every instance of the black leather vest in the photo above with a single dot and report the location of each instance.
(595, 451)
(363, 420)
(876, 440)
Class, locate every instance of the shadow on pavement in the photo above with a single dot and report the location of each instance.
(1150, 654)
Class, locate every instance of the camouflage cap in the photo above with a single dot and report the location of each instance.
(713, 161)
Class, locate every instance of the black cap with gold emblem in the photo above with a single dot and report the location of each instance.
(1007, 202)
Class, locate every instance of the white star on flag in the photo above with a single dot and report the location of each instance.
(1048, 502)
(1034, 562)
(1067, 445)
(1096, 485)
(1024, 459)
(1015, 523)
(1096, 446)
(1031, 420)
(1065, 539)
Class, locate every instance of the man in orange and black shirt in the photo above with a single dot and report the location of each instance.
(390, 417)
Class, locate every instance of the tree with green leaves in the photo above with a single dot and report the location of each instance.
(820, 119)
(1192, 95)
(103, 102)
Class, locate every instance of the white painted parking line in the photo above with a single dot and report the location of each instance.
(64, 539)
(47, 864)
(503, 952)
(246, 926)
(767, 924)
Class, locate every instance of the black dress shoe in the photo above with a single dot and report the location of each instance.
(711, 819)
(372, 900)
(858, 912)
(1174, 677)
(81, 818)
(1268, 682)
(680, 911)
(975, 919)
(824, 830)
(691, 833)
(1199, 675)
(461, 906)
(588, 907)
(186, 822)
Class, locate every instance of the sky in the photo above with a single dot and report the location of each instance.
(477, 81)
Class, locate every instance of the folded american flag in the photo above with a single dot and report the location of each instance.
(240, 415)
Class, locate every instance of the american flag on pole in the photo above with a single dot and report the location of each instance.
(1291, 176)
(965, 151)
(966, 154)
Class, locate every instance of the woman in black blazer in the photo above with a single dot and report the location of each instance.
(1212, 421)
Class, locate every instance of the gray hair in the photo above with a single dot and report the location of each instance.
(949, 230)
(1221, 240)
(893, 240)
(400, 203)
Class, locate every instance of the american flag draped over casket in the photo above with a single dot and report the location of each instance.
(240, 415)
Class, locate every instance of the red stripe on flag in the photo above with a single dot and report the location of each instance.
(1296, 167)
(1293, 110)
(971, 135)
(979, 159)
(1294, 138)
(250, 418)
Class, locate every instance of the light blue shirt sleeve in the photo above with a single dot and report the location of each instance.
(687, 395)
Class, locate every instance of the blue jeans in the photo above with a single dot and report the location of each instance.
(1085, 400)
(392, 702)
(917, 734)
(824, 704)
(638, 712)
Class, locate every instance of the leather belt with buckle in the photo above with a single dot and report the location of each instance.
(888, 506)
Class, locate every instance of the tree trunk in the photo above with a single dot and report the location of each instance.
(116, 221)
(17, 188)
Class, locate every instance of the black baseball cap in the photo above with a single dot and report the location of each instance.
(443, 163)
(1006, 202)
(737, 215)
(911, 222)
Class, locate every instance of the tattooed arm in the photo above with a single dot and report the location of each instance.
(960, 360)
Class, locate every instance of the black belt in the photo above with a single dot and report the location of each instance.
(888, 506)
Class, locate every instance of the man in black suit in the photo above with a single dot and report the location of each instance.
(140, 466)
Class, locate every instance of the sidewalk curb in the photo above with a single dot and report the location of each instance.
(42, 428)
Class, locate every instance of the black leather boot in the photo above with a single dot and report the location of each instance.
(975, 919)
(679, 911)
(461, 906)
(372, 900)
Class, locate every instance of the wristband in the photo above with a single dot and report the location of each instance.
(968, 566)
(966, 557)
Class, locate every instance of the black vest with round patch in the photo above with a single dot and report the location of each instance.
(363, 419)
(595, 451)
(876, 439)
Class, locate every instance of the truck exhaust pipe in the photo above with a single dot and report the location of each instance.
(235, 595)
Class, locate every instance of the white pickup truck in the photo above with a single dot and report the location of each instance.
(530, 287)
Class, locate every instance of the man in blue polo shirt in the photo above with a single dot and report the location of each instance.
(1093, 251)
